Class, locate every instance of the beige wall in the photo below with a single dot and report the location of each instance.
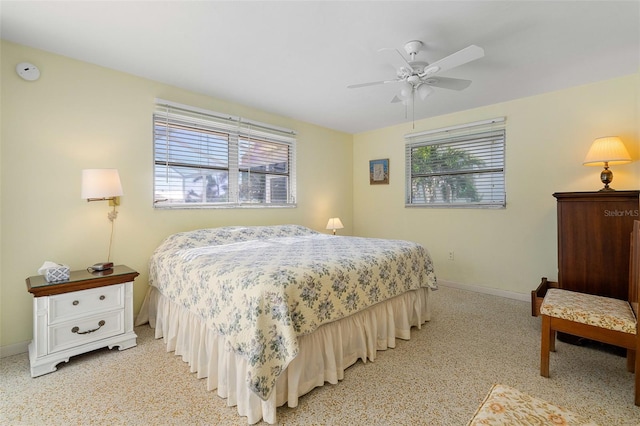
(79, 116)
(82, 116)
(547, 139)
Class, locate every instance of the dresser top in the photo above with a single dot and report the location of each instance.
(80, 280)
(598, 194)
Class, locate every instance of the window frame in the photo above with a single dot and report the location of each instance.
(488, 135)
(239, 134)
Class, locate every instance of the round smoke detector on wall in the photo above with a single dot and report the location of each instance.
(28, 71)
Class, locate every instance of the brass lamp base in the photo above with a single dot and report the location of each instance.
(606, 176)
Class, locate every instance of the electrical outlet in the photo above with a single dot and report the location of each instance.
(451, 255)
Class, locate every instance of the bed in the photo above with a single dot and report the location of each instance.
(267, 313)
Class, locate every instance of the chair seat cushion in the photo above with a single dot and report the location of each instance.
(506, 406)
(599, 311)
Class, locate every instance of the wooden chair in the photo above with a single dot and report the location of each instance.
(598, 318)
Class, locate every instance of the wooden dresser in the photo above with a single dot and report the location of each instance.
(593, 241)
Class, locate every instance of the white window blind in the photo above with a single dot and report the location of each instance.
(206, 159)
(460, 166)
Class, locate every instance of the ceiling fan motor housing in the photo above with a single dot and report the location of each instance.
(413, 47)
(414, 79)
(417, 67)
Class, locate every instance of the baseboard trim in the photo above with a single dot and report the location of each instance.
(15, 349)
(487, 290)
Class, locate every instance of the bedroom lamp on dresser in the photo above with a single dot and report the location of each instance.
(594, 231)
(605, 152)
(594, 228)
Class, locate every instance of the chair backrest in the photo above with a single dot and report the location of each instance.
(634, 270)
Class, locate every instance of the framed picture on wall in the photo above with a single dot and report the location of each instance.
(379, 172)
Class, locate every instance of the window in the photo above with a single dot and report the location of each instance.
(461, 166)
(205, 159)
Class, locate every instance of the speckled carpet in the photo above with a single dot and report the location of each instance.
(439, 377)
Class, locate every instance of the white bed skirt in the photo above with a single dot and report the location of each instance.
(323, 355)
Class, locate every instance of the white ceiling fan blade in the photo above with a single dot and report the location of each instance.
(448, 82)
(397, 100)
(468, 54)
(373, 83)
(395, 58)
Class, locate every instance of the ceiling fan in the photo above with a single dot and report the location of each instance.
(420, 77)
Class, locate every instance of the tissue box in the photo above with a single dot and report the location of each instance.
(58, 273)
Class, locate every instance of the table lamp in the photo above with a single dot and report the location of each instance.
(607, 151)
(334, 223)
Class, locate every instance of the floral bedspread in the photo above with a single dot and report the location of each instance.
(263, 286)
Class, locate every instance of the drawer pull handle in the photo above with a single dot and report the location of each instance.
(77, 329)
(103, 297)
(75, 302)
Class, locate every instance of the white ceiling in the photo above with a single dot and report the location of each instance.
(295, 58)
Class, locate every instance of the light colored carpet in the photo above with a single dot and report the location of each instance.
(439, 377)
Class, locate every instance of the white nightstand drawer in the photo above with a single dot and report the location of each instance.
(85, 330)
(67, 306)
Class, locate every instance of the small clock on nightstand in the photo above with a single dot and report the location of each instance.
(90, 310)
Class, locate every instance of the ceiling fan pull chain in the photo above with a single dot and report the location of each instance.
(413, 109)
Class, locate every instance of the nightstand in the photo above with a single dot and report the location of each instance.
(88, 311)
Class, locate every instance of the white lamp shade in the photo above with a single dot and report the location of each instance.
(101, 183)
(335, 223)
(406, 89)
(609, 149)
(424, 90)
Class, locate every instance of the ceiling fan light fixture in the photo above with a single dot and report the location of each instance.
(406, 89)
(424, 91)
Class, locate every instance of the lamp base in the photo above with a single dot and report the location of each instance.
(606, 177)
